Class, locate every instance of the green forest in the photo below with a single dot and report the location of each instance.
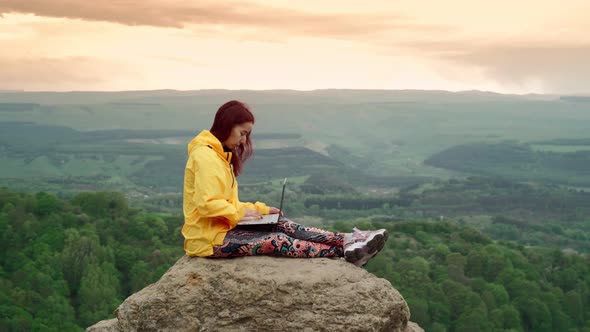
(520, 161)
(67, 264)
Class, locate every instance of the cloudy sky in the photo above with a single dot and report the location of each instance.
(522, 46)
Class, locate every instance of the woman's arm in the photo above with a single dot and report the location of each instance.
(258, 206)
(209, 190)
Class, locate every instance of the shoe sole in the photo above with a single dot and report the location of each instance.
(375, 245)
(359, 256)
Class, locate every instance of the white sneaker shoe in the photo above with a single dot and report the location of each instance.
(361, 246)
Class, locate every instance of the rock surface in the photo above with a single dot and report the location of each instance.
(110, 325)
(263, 294)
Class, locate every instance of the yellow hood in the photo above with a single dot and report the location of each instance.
(205, 138)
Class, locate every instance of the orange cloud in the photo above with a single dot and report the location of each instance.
(179, 14)
(175, 42)
(71, 73)
(558, 68)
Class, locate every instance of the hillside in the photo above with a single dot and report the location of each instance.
(110, 140)
(82, 257)
(485, 195)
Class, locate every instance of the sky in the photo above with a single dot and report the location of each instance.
(505, 46)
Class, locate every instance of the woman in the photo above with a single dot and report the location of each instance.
(212, 209)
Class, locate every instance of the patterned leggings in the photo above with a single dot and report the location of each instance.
(283, 239)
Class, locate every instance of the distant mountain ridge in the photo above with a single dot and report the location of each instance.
(258, 96)
(578, 99)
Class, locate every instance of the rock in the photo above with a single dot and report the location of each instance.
(264, 294)
(110, 325)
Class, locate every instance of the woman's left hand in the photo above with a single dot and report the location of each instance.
(274, 210)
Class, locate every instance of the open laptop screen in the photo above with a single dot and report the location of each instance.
(269, 218)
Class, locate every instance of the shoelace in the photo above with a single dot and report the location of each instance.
(357, 236)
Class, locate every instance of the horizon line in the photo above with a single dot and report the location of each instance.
(297, 90)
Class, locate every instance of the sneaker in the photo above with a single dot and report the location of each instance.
(361, 246)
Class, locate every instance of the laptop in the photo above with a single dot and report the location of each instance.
(267, 219)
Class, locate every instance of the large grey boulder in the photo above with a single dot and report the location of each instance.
(263, 294)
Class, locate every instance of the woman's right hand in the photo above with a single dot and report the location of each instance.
(274, 210)
(253, 214)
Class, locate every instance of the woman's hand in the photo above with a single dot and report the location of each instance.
(274, 210)
(253, 214)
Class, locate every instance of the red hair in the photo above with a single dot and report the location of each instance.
(229, 115)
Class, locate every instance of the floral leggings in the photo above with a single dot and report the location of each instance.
(283, 239)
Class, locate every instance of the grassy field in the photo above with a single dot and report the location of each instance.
(117, 138)
(560, 148)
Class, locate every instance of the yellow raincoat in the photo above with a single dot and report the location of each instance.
(210, 202)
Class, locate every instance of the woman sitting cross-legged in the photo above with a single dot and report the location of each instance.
(212, 210)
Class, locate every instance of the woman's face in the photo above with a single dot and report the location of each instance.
(238, 135)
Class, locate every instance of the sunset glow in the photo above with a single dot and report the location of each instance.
(504, 46)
